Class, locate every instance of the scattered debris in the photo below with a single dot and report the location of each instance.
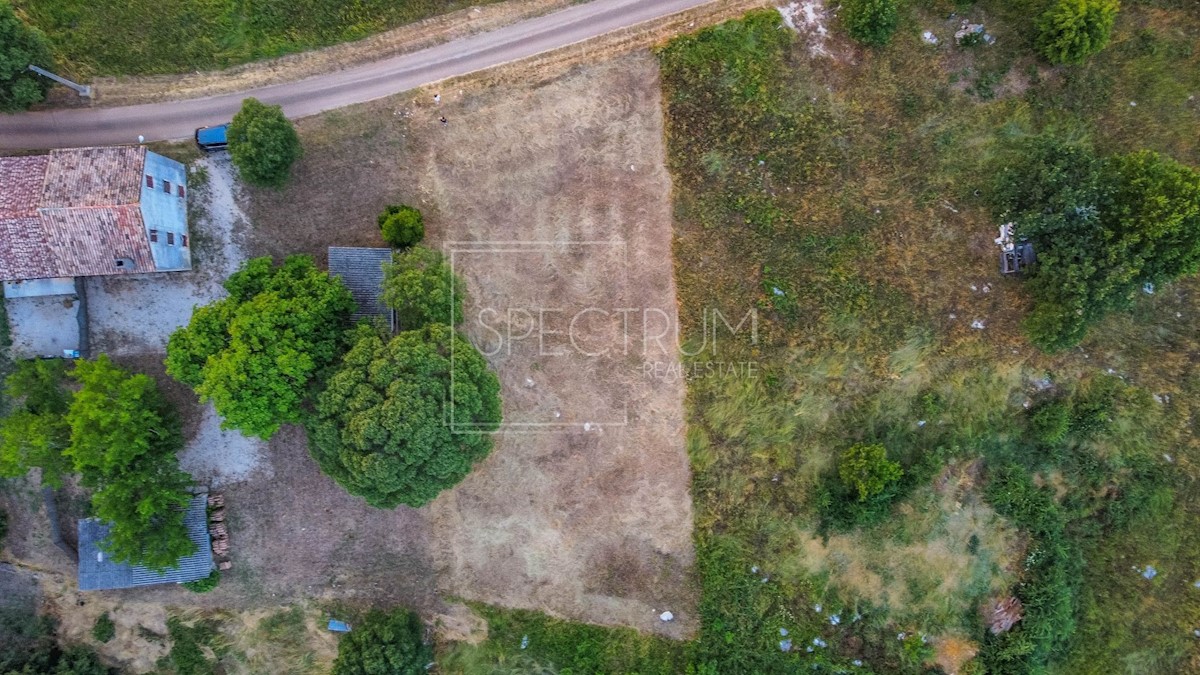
(808, 17)
(783, 632)
(1148, 288)
(835, 620)
(929, 38)
(818, 642)
(1149, 572)
(920, 423)
(785, 645)
(754, 569)
(524, 641)
(978, 324)
(1004, 613)
(666, 616)
(817, 608)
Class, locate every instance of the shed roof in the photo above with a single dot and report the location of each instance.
(361, 269)
(99, 572)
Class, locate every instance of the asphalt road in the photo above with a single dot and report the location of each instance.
(175, 120)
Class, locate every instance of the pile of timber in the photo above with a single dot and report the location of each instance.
(218, 531)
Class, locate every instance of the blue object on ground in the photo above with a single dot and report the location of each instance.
(339, 626)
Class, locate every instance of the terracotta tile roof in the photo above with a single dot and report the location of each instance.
(93, 177)
(21, 185)
(73, 212)
(87, 242)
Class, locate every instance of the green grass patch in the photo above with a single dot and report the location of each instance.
(139, 37)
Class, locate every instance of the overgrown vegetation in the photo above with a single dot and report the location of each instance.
(120, 435)
(204, 585)
(104, 628)
(21, 45)
(256, 353)
(191, 643)
(1103, 229)
(1070, 31)
(136, 37)
(263, 144)
(871, 22)
(392, 642)
(29, 646)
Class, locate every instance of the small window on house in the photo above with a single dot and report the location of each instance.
(170, 239)
(120, 263)
(167, 186)
(149, 181)
(185, 243)
(179, 189)
(153, 236)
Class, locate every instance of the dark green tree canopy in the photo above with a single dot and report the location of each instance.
(871, 22)
(422, 288)
(402, 226)
(1102, 229)
(255, 353)
(263, 144)
(123, 442)
(384, 644)
(35, 432)
(1072, 30)
(20, 46)
(401, 421)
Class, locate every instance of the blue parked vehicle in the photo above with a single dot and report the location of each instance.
(212, 139)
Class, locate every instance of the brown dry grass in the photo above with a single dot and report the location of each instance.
(592, 525)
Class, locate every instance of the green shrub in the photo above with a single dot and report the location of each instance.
(1072, 30)
(263, 144)
(402, 226)
(866, 470)
(871, 22)
(204, 585)
(187, 655)
(389, 643)
(104, 629)
(1050, 422)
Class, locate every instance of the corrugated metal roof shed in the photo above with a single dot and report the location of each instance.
(361, 269)
(98, 572)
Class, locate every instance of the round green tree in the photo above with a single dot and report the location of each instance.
(402, 226)
(21, 45)
(871, 22)
(255, 353)
(1072, 30)
(866, 470)
(263, 143)
(401, 421)
(422, 288)
(384, 644)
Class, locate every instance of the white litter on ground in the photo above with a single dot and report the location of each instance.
(809, 17)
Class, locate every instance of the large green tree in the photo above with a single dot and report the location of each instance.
(35, 432)
(263, 143)
(124, 439)
(401, 421)
(1103, 228)
(21, 45)
(1072, 30)
(384, 644)
(255, 353)
(422, 288)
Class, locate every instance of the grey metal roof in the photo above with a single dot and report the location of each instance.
(98, 572)
(361, 269)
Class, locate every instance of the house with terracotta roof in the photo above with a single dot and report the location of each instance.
(82, 212)
(85, 212)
